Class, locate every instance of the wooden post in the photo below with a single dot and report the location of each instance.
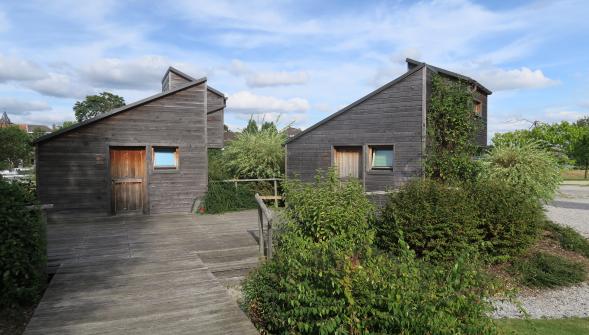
(269, 244)
(236, 186)
(275, 193)
(261, 231)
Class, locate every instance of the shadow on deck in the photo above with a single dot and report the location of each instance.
(147, 274)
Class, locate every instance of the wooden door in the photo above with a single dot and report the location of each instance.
(348, 161)
(127, 171)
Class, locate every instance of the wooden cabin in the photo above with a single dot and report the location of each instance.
(147, 157)
(380, 138)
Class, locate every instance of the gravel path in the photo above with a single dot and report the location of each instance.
(570, 208)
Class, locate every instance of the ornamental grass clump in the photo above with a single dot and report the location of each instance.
(525, 166)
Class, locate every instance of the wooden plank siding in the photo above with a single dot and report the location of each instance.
(72, 168)
(215, 119)
(393, 116)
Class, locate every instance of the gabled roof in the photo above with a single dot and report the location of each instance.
(190, 78)
(450, 74)
(119, 110)
(356, 103)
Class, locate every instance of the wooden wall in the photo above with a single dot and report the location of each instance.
(72, 168)
(392, 117)
(215, 114)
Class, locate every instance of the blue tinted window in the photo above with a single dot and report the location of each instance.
(164, 158)
(382, 157)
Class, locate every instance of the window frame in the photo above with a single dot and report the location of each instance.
(477, 103)
(370, 157)
(168, 169)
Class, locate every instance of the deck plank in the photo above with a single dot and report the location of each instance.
(147, 275)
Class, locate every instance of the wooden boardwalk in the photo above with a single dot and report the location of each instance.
(147, 275)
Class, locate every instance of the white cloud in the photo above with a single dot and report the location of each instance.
(140, 73)
(267, 78)
(499, 79)
(12, 68)
(16, 106)
(557, 114)
(584, 104)
(60, 86)
(248, 103)
(283, 78)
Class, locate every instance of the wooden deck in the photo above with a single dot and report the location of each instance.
(147, 275)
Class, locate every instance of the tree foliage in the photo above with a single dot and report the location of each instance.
(526, 167)
(252, 126)
(15, 147)
(451, 131)
(94, 105)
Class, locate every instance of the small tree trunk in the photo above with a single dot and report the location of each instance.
(586, 168)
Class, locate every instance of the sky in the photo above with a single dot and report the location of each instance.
(293, 61)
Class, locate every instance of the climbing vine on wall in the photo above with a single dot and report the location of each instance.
(451, 132)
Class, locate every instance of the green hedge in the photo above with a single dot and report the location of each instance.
(436, 220)
(22, 247)
(326, 277)
(440, 222)
(224, 197)
(509, 219)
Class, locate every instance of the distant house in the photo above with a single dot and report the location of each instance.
(29, 128)
(380, 138)
(146, 157)
(292, 132)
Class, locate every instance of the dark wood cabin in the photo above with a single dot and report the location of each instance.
(380, 138)
(146, 157)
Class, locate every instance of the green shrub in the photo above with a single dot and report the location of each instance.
(545, 270)
(226, 197)
(22, 247)
(510, 221)
(525, 166)
(319, 288)
(568, 238)
(321, 208)
(437, 221)
(217, 168)
(327, 278)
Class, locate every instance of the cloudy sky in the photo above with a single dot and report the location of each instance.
(300, 60)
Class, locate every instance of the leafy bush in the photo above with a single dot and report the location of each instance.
(256, 154)
(319, 209)
(568, 238)
(226, 197)
(22, 247)
(545, 270)
(525, 166)
(510, 221)
(217, 168)
(437, 221)
(326, 277)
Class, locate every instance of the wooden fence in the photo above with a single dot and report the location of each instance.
(265, 247)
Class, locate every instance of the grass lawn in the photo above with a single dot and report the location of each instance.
(573, 174)
(572, 326)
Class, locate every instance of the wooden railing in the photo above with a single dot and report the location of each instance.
(264, 212)
(274, 197)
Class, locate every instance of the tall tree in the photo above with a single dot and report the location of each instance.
(580, 152)
(15, 147)
(97, 104)
(252, 127)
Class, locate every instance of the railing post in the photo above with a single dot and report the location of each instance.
(261, 231)
(275, 193)
(269, 243)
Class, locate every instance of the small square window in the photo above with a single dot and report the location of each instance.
(381, 157)
(478, 108)
(165, 158)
